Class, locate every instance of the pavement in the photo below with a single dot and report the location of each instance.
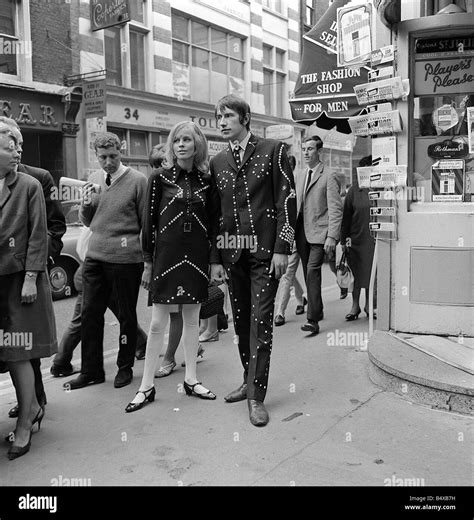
(330, 425)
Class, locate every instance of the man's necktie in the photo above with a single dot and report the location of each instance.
(236, 153)
(308, 180)
(108, 179)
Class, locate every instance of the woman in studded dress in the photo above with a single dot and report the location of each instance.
(181, 218)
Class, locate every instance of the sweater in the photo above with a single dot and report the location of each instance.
(115, 218)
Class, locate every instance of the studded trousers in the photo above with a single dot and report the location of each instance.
(252, 295)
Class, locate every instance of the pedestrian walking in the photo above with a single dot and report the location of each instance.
(258, 211)
(114, 260)
(56, 224)
(27, 325)
(318, 226)
(180, 222)
(357, 242)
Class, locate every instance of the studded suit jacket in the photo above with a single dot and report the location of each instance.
(258, 202)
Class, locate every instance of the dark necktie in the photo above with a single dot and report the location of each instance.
(308, 180)
(236, 153)
(108, 179)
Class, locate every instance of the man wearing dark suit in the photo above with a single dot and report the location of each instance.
(318, 225)
(258, 210)
(56, 228)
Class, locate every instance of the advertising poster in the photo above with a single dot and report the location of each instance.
(384, 151)
(354, 27)
(447, 181)
(470, 128)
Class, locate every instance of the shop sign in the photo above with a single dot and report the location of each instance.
(445, 76)
(107, 13)
(33, 113)
(279, 132)
(444, 47)
(233, 8)
(214, 147)
(448, 150)
(94, 95)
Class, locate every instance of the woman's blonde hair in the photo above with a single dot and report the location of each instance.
(201, 160)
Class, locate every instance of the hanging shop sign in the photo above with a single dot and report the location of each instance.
(382, 176)
(458, 46)
(107, 13)
(376, 123)
(448, 150)
(94, 95)
(354, 30)
(382, 90)
(447, 181)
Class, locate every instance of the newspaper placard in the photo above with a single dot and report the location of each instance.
(384, 151)
(383, 73)
(382, 176)
(383, 211)
(470, 128)
(447, 181)
(382, 90)
(381, 107)
(382, 226)
(377, 123)
(382, 55)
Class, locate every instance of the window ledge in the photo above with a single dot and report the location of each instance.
(275, 13)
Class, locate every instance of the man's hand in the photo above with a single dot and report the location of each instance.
(278, 265)
(330, 247)
(218, 273)
(28, 290)
(146, 275)
(87, 191)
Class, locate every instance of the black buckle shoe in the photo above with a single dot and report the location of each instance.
(237, 395)
(81, 381)
(123, 378)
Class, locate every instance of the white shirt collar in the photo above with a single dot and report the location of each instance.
(116, 175)
(243, 143)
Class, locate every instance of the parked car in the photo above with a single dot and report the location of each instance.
(61, 273)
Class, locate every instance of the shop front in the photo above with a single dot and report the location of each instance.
(47, 122)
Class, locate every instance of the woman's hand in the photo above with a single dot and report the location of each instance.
(146, 276)
(29, 292)
(218, 273)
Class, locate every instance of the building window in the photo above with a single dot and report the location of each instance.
(208, 62)
(125, 49)
(309, 13)
(273, 5)
(274, 81)
(8, 38)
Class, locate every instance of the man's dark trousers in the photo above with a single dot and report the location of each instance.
(312, 258)
(252, 295)
(99, 278)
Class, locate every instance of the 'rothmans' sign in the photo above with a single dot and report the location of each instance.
(322, 86)
(107, 13)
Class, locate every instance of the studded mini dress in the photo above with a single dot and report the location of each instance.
(181, 214)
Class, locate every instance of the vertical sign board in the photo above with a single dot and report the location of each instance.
(107, 13)
(94, 94)
(354, 30)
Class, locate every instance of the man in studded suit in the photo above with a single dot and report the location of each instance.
(258, 215)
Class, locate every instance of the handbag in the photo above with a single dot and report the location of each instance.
(214, 303)
(344, 276)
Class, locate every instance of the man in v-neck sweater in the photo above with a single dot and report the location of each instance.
(112, 206)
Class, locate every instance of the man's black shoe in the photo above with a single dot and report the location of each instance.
(59, 371)
(310, 327)
(299, 309)
(123, 378)
(81, 381)
(257, 413)
(279, 320)
(237, 395)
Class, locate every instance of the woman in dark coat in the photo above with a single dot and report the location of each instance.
(181, 216)
(27, 325)
(357, 242)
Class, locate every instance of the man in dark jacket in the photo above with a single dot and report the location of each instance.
(258, 215)
(56, 228)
